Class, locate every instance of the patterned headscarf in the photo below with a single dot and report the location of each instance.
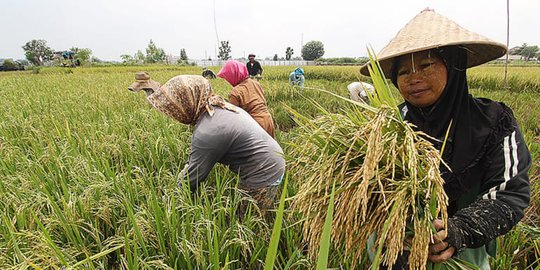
(234, 72)
(299, 71)
(186, 97)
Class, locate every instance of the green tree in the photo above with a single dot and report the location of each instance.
(127, 59)
(224, 51)
(517, 50)
(139, 57)
(154, 54)
(37, 51)
(288, 53)
(183, 55)
(24, 62)
(9, 64)
(529, 52)
(313, 50)
(525, 51)
(82, 54)
(275, 57)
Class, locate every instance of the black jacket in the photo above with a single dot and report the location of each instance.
(254, 68)
(495, 201)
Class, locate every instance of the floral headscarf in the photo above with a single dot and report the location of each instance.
(186, 97)
(234, 72)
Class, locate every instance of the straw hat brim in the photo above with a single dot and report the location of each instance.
(477, 54)
(430, 30)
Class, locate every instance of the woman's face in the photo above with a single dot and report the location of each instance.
(421, 78)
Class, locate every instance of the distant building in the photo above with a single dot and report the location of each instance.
(511, 57)
(172, 59)
(66, 58)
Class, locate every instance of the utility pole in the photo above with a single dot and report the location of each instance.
(507, 43)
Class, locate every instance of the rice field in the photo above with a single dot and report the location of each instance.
(88, 174)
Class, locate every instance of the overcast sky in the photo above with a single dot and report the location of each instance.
(111, 28)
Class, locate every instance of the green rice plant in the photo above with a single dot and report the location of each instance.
(95, 163)
(324, 244)
(276, 230)
(386, 176)
(491, 78)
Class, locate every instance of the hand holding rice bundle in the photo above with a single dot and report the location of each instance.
(386, 178)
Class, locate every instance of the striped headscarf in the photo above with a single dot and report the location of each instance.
(186, 97)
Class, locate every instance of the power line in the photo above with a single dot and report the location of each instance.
(215, 24)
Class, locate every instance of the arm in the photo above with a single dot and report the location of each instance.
(237, 96)
(260, 71)
(206, 151)
(248, 68)
(235, 99)
(199, 164)
(501, 205)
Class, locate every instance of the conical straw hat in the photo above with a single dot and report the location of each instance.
(430, 30)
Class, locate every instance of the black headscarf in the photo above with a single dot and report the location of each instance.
(475, 122)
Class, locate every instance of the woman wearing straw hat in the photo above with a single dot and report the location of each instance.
(247, 94)
(223, 133)
(487, 181)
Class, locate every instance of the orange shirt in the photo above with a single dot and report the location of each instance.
(249, 96)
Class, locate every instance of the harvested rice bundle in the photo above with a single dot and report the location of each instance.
(386, 176)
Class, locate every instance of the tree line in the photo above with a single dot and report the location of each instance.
(311, 51)
(38, 52)
(527, 52)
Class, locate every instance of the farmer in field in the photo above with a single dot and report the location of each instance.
(143, 82)
(358, 91)
(222, 133)
(297, 77)
(208, 73)
(487, 180)
(254, 67)
(247, 94)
